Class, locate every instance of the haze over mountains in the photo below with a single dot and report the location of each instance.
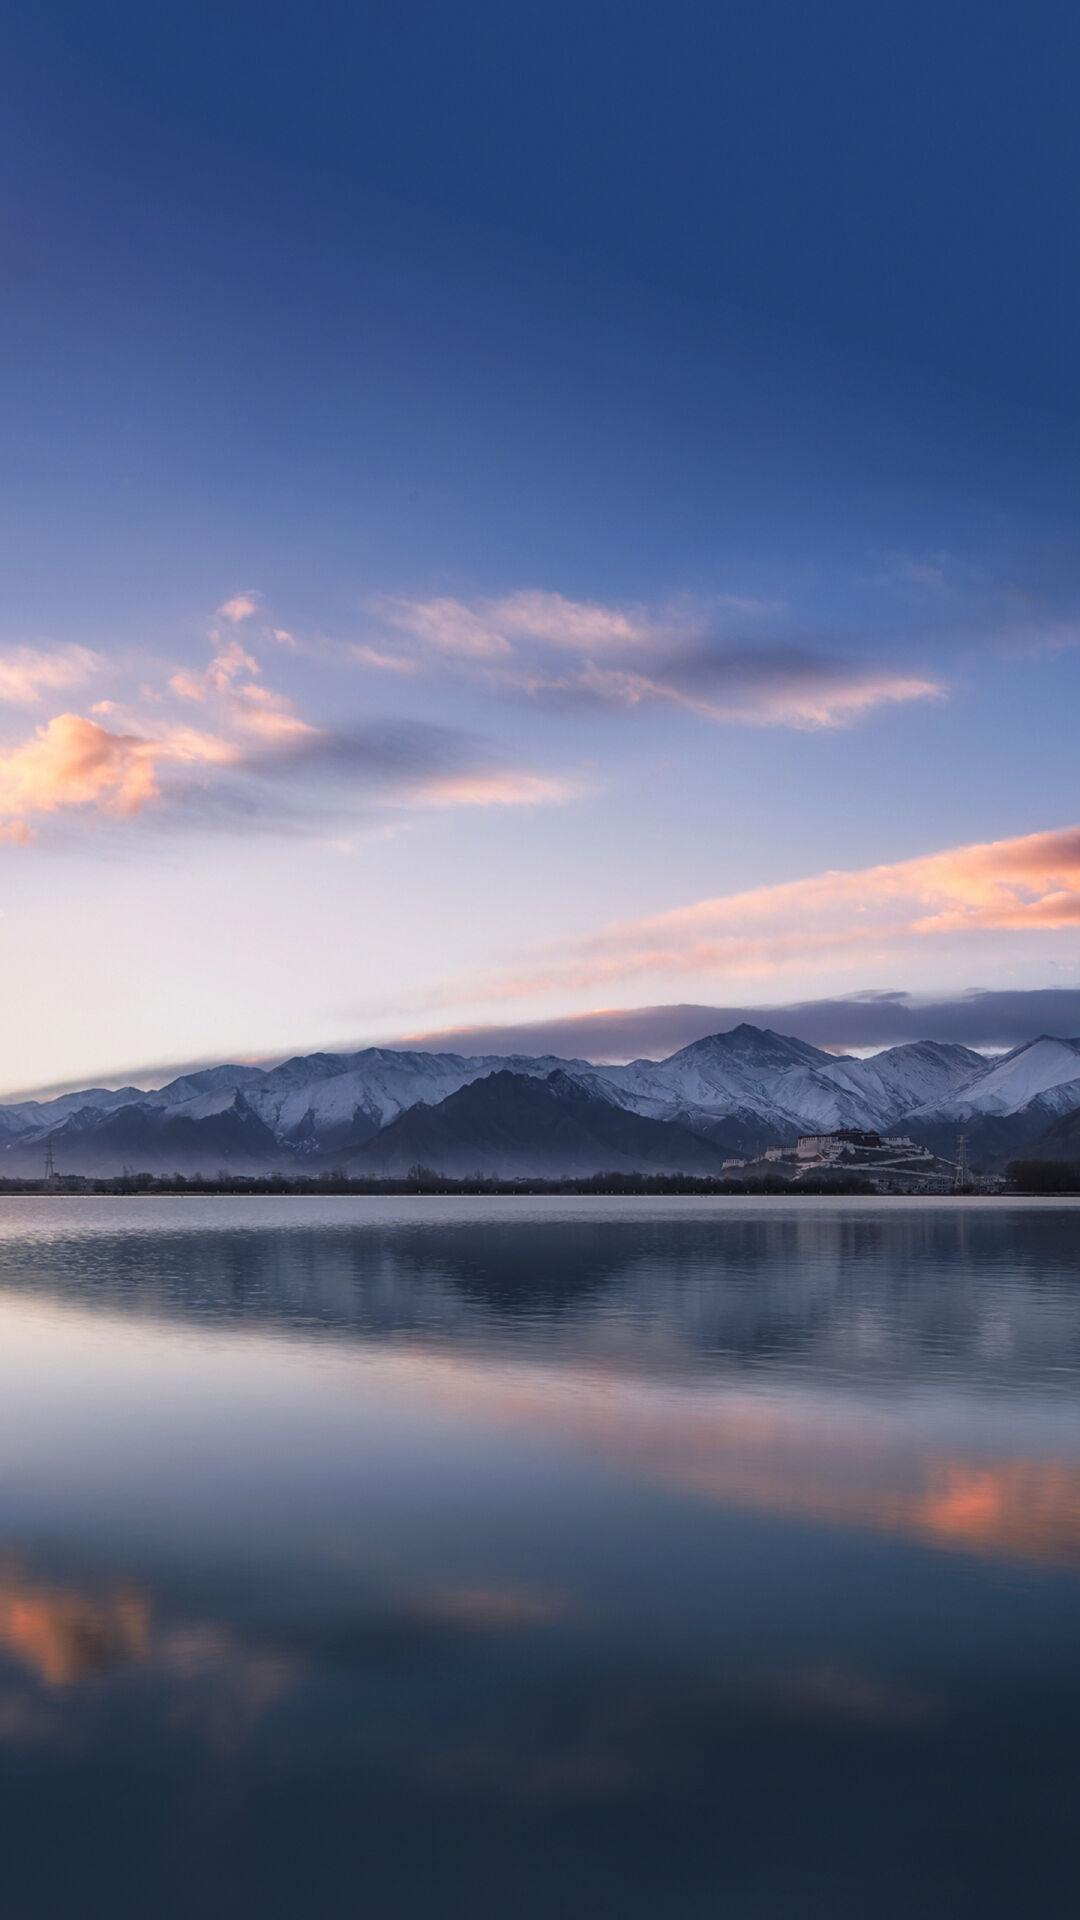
(382, 1111)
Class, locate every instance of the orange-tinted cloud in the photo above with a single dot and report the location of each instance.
(112, 761)
(75, 762)
(1028, 883)
(504, 788)
(240, 607)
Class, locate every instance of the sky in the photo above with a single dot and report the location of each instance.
(515, 513)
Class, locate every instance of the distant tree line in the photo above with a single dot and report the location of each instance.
(1024, 1176)
(424, 1180)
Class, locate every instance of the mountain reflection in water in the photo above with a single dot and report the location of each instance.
(613, 1558)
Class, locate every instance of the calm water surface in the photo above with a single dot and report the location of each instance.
(511, 1558)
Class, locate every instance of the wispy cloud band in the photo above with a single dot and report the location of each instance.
(1026, 884)
(29, 674)
(722, 663)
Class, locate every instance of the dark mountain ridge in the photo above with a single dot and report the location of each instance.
(511, 1126)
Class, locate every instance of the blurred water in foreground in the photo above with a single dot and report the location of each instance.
(423, 1558)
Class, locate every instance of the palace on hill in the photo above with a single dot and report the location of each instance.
(893, 1162)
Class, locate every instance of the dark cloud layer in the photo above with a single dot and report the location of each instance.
(379, 753)
(978, 1019)
(301, 783)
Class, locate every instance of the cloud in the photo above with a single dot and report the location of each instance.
(411, 764)
(450, 627)
(220, 676)
(247, 707)
(75, 762)
(383, 662)
(240, 607)
(1031, 883)
(780, 686)
(27, 673)
(500, 789)
(556, 652)
(980, 1018)
(254, 739)
(257, 710)
(270, 770)
(493, 627)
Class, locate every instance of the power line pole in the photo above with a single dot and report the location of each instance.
(961, 1180)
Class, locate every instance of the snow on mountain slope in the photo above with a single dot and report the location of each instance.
(913, 1075)
(374, 1088)
(299, 1096)
(30, 1118)
(736, 1072)
(1045, 1072)
(787, 1084)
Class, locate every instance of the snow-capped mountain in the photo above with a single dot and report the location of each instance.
(738, 1091)
(1007, 1105)
(784, 1086)
(309, 1098)
(368, 1090)
(1043, 1070)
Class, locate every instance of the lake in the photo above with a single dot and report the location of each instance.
(513, 1557)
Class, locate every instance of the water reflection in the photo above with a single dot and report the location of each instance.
(985, 1289)
(65, 1635)
(941, 1471)
(630, 1559)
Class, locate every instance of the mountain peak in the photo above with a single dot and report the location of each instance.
(749, 1043)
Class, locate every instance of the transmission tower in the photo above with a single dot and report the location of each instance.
(961, 1180)
(50, 1170)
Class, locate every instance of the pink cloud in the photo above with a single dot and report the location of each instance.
(28, 673)
(806, 704)
(490, 629)
(450, 627)
(583, 625)
(550, 650)
(111, 762)
(75, 762)
(1025, 884)
(240, 607)
(244, 705)
(500, 789)
(257, 710)
(383, 662)
(187, 686)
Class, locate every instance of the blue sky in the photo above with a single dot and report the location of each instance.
(496, 497)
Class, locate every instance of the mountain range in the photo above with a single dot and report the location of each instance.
(383, 1110)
